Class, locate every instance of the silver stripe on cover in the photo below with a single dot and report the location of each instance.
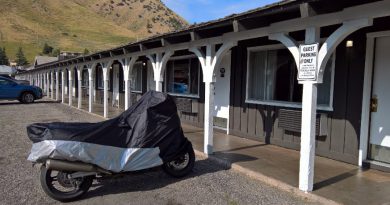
(111, 158)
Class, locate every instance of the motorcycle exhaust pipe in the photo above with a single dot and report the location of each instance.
(62, 165)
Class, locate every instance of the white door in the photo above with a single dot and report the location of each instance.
(380, 118)
(222, 92)
(115, 84)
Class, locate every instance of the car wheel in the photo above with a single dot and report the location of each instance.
(27, 97)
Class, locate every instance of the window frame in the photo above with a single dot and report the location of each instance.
(186, 57)
(285, 103)
(97, 79)
(84, 78)
(142, 76)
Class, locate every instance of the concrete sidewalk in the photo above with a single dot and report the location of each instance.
(334, 180)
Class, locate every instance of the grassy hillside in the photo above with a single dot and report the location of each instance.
(74, 25)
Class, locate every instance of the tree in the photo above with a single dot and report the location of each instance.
(47, 50)
(56, 52)
(3, 57)
(86, 52)
(20, 58)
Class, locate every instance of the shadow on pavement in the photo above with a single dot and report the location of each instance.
(152, 179)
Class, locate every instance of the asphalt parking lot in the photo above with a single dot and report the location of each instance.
(207, 184)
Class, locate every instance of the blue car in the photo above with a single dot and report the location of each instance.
(14, 90)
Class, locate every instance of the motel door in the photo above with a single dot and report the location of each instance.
(222, 93)
(380, 103)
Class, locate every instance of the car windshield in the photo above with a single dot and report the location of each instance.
(6, 81)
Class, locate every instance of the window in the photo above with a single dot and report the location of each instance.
(136, 78)
(99, 78)
(85, 78)
(182, 77)
(272, 79)
(6, 82)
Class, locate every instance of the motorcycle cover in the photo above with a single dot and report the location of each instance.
(146, 135)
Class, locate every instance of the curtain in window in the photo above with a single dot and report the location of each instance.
(272, 76)
(257, 75)
(136, 78)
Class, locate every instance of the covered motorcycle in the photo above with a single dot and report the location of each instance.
(147, 135)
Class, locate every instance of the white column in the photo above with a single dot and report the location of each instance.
(44, 83)
(308, 137)
(209, 62)
(66, 81)
(159, 85)
(41, 83)
(208, 118)
(105, 96)
(127, 70)
(47, 84)
(79, 75)
(63, 85)
(70, 86)
(126, 74)
(57, 85)
(127, 93)
(306, 163)
(90, 97)
(52, 84)
(159, 62)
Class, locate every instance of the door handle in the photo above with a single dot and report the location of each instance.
(374, 104)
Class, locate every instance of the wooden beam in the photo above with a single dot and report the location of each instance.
(307, 10)
(164, 42)
(237, 26)
(194, 36)
(142, 47)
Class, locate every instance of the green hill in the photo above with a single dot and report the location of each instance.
(74, 25)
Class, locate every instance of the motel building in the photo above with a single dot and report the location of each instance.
(239, 75)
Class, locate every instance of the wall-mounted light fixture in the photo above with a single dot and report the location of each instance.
(349, 44)
(144, 64)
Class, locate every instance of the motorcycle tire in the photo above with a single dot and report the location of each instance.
(182, 165)
(48, 187)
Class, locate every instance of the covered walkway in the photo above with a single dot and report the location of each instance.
(334, 180)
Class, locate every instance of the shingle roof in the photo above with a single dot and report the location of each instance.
(39, 60)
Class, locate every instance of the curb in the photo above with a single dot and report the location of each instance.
(263, 178)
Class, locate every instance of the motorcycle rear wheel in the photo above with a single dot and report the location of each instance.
(182, 165)
(66, 189)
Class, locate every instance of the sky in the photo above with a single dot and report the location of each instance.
(198, 11)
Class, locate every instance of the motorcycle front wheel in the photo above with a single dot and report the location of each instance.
(59, 186)
(182, 165)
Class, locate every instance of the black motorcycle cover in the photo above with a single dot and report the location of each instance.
(146, 135)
